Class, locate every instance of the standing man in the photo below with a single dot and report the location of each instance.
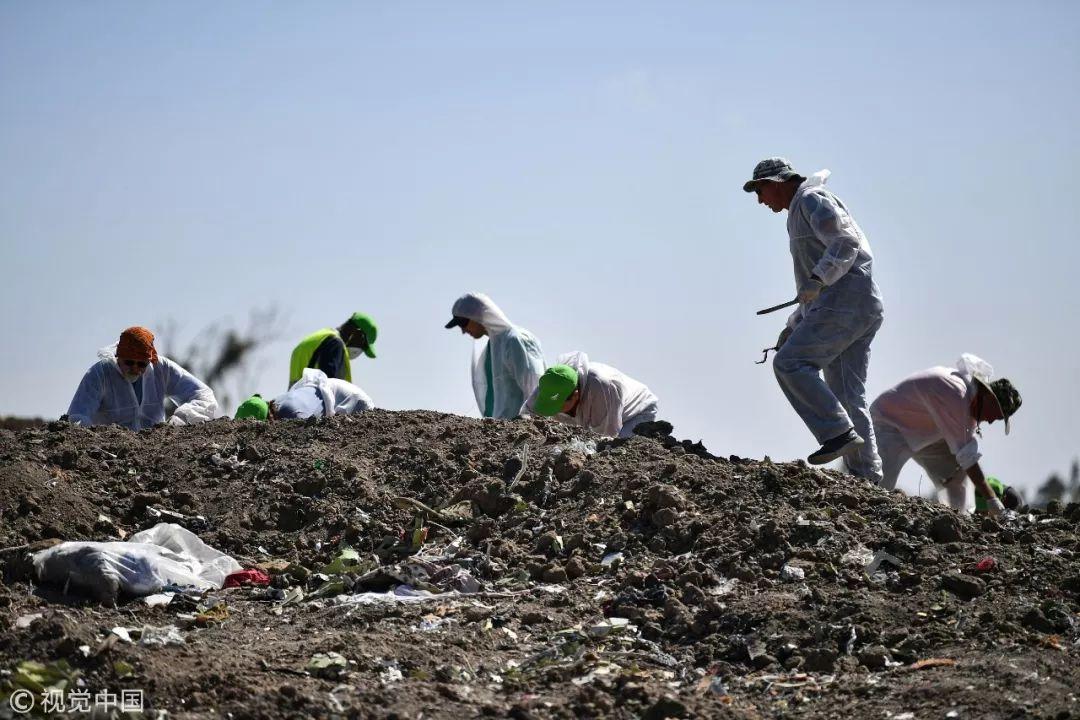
(332, 350)
(933, 416)
(507, 368)
(840, 311)
(129, 385)
(594, 396)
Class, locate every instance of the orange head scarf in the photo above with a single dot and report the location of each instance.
(137, 343)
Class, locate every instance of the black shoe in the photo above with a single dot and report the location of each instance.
(835, 448)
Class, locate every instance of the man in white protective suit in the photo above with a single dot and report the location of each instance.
(593, 395)
(505, 368)
(129, 386)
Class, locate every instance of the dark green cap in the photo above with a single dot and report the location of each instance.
(366, 325)
(253, 407)
(556, 385)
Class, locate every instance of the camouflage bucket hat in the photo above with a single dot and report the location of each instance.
(775, 169)
(1007, 396)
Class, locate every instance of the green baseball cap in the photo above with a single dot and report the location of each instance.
(253, 407)
(556, 385)
(366, 325)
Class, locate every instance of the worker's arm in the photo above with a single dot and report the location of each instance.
(330, 357)
(835, 229)
(195, 401)
(978, 479)
(84, 405)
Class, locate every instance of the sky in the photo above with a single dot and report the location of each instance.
(182, 164)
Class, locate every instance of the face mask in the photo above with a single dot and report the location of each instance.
(131, 378)
(355, 352)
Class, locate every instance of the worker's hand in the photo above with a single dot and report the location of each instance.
(784, 335)
(994, 508)
(810, 290)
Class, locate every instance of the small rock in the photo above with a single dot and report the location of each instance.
(820, 660)
(554, 574)
(962, 585)
(665, 517)
(1036, 620)
(575, 568)
(874, 657)
(665, 707)
(665, 496)
(946, 529)
(568, 464)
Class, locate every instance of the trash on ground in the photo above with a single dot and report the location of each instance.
(247, 577)
(166, 554)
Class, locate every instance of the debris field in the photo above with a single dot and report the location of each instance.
(423, 565)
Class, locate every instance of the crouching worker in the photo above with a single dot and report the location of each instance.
(933, 417)
(129, 385)
(314, 395)
(592, 395)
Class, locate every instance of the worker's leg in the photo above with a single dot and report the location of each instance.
(894, 452)
(846, 377)
(814, 344)
(647, 415)
(941, 466)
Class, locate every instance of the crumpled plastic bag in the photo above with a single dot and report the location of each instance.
(151, 560)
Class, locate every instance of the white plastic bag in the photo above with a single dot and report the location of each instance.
(166, 554)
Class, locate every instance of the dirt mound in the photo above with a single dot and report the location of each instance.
(527, 569)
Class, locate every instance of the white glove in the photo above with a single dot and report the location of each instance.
(994, 508)
(810, 290)
(175, 421)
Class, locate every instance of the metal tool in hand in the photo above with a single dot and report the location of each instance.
(781, 306)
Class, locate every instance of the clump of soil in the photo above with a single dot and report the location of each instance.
(576, 577)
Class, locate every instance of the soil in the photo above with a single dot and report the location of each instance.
(638, 578)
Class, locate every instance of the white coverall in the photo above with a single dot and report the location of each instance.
(105, 397)
(927, 417)
(611, 403)
(340, 397)
(831, 335)
(506, 368)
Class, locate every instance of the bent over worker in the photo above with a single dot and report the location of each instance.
(333, 351)
(839, 313)
(593, 395)
(506, 368)
(313, 395)
(933, 417)
(130, 382)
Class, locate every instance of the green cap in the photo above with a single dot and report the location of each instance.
(556, 385)
(253, 407)
(366, 325)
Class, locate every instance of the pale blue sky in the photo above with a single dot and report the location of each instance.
(582, 165)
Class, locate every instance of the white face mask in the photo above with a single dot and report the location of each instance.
(131, 378)
(355, 353)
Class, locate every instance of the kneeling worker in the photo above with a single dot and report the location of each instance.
(314, 395)
(332, 350)
(592, 395)
(129, 385)
(933, 417)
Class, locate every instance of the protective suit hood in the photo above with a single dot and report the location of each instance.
(478, 307)
(818, 179)
(580, 362)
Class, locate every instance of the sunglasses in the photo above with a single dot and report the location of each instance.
(134, 363)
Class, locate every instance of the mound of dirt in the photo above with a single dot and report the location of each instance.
(528, 569)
